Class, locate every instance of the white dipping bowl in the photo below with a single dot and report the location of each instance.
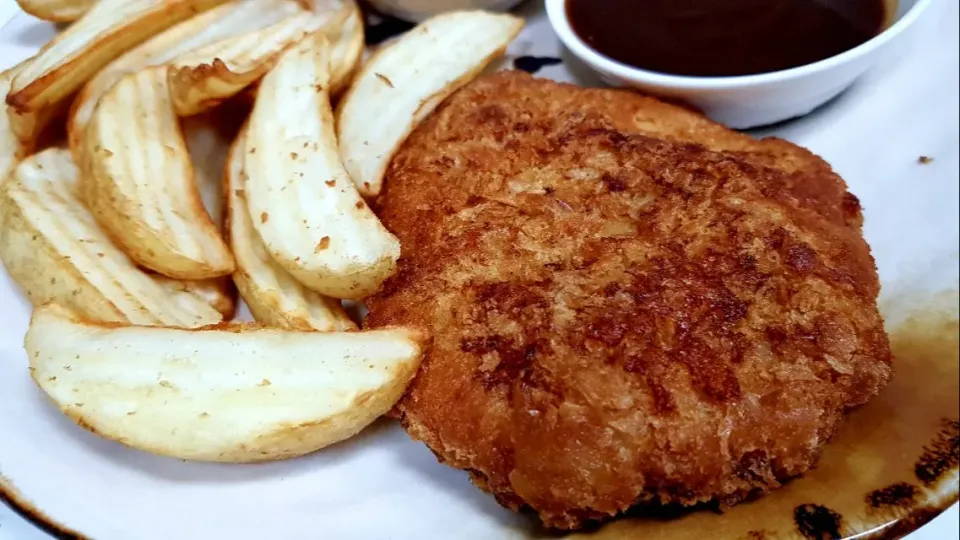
(750, 100)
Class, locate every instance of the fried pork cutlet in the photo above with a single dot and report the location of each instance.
(629, 303)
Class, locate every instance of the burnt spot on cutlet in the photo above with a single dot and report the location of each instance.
(941, 455)
(731, 309)
(608, 331)
(491, 114)
(746, 262)
(474, 200)
(614, 182)
(801, 258)
(515, 355)
(776, 238)
(900, 494)
(483, 344)
(611, 289)
(735, 345)
(851, 207)
(710, 373)
(513, 359)
(652, 367)
(445, 162)
(515, 362)
(493, 117)
(817, 522)
(508, 296)
(611, 138)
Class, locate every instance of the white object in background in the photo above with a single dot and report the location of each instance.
(752, 100)
(418, 10)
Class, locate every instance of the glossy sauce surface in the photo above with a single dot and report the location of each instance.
(713, 38)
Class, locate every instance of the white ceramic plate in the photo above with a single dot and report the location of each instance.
(382, 484)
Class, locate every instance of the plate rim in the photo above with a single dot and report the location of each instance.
(914, 520)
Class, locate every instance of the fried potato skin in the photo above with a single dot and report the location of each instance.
(12, 149)
(619, 319)
(57, 10)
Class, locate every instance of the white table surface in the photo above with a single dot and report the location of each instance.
(13, 527)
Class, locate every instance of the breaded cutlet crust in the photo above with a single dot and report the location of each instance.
(618, 318)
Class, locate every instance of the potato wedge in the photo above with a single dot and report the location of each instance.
(54, 250)
(346, 40)
(273, 296)
(12, 149)
(406, 80)
(110, 27)
(208, 138)
(26, 127)
(227, 393)
(223, 22)
(219, 293)
(303, 203)
(204, 77)
(57, 10)
(139, 182)
(208, 142)
(344, 31)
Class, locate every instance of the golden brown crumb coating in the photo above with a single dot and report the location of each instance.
(628, 302)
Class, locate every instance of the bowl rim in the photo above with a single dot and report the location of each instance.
(557, 13)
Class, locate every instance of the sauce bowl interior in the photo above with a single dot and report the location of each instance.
(905, 12)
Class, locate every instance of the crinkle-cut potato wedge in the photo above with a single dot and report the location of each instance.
(227, 393)
(24, 126)
(12, 150)
(222, 22)
(54, 250)
(303, 203)
(346, 40)
(208, 141)
(273, 296)
(139, 182)
(28, 126)
(57, 10)
(107, 30)
(322, 5)
(219, 293)
(203, 78)
(405, 81)
(343, 28)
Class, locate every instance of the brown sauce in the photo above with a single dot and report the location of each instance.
(715, 38)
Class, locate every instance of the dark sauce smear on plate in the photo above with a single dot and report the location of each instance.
(718, 38)
(533, 64)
